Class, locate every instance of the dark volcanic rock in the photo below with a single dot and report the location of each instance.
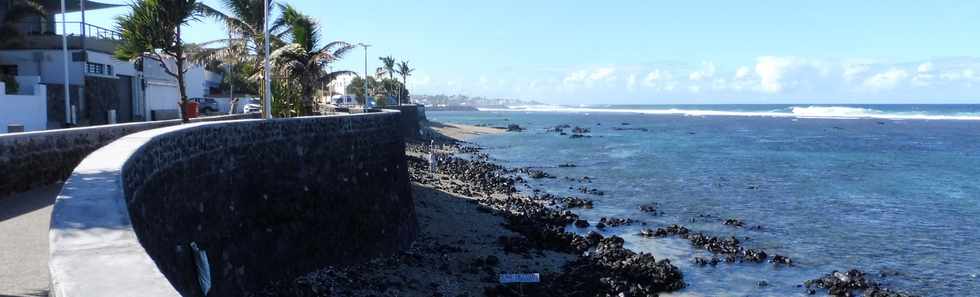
(587, 190)
(581, 223)
(649, 207)
(734, 223)
(615, 222)
(514, 128)
(612, 270)
(575, 202)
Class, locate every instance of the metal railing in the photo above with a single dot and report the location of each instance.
(72, 29)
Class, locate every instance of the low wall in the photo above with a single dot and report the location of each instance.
(39, 158)
(267, 200)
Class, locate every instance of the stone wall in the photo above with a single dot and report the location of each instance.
(39, 158)
(267, 200)
(412, 116)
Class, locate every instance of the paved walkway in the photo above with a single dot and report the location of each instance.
(24, 220)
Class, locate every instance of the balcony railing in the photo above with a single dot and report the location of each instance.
(72, 29)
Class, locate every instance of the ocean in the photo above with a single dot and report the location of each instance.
(893, 190)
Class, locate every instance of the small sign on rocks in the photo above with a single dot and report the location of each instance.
(506, 278)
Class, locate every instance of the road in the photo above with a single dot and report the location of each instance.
(24, 220)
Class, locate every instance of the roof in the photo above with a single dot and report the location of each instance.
(74, 5)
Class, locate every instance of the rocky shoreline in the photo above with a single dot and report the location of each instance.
(526, 228)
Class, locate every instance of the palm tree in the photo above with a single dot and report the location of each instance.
(245, 45)
(405, 71)
(387, 66)
(302, 63)
(16, 12)
(152, 30)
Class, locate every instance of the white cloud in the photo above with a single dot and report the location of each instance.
(707, 71)
(602, 74)
(886, 80)
(923, 75)
(779, 74)
(852, 71)
(742, 72)
(588, 78)
(771, 71)
(576, 76)
(768, 78)
(660, 80)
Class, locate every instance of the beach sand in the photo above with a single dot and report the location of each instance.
(456, 253)
(461, 132)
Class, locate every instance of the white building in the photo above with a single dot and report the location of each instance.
(98, 83)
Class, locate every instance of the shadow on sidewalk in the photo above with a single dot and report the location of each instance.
(35, 293)
(18, 204)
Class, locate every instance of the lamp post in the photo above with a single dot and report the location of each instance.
(268, 83)
(367, 102)
(64, 53)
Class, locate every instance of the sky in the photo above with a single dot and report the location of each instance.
(666, 52)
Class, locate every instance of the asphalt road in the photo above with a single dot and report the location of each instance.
(24, 220)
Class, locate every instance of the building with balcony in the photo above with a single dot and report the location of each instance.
(101, 89)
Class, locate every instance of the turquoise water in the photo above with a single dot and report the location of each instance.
(833, 193)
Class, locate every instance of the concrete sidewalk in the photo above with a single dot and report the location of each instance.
(24, 220)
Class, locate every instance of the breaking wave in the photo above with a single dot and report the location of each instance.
(824, 112)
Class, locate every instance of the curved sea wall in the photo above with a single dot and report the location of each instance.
(266, 200)
(39, 158)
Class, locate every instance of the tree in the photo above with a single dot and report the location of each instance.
(389, 88)
(16, 12)
(356, 88)
(152, 30)
(387, 66)
(301, 63)
(244, 48)
(405, 71)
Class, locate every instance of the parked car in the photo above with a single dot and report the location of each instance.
(254, 105)
(206, 105)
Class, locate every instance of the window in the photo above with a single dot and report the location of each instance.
(108, 69)
(95, 68)
(8, 70)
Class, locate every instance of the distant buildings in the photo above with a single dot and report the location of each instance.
(462, 100)
(101, 88)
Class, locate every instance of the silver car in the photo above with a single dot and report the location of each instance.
(253, 105)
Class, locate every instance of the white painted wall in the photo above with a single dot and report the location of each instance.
(47, 64)
(161, 95)
(28, 110)
(26, 83)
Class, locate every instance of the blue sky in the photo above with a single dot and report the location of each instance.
(663, 51)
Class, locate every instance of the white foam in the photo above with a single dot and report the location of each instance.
(813, 112)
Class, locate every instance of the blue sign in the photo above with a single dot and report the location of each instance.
(520, 278)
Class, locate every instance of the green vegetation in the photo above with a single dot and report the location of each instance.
(405, 71)
(152, 30)
(299, 59)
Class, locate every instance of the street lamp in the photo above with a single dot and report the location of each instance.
(268, 83)
(367, 102)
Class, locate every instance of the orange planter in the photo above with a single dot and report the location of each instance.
(190, 109)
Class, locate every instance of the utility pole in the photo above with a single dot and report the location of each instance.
(268, 83)
(64, 51)
(367, 101)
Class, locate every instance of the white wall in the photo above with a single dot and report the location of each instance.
(195, 79)
(48, 64)
(161, 95)
(26, 83)
(118, 67)
(28, 110)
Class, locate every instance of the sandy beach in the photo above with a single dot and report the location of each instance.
(474, 227)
